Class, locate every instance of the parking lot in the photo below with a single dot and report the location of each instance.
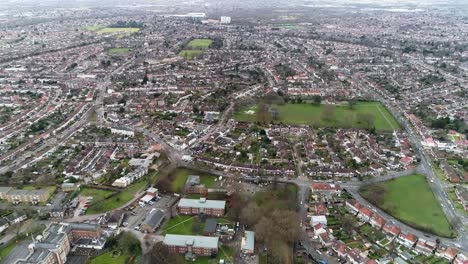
(135, 214)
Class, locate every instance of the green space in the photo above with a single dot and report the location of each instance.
(111, 202)
(195, 48)
(6, 250)
(51, 189)
(97, 194)
(179, 176)
(180, 225)
(410, 199)
(199, 44)
(101, 29)
(108, 258)
(118, 51)
(190, 54)
(224, 252)
(361, 115)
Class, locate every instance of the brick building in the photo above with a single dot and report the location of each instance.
(201, 206)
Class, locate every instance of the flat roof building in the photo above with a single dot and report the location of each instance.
(201, 206)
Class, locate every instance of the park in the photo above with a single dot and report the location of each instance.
(361, 115)
(410, 199)
(195, 48)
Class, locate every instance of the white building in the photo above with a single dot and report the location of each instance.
(225, 20)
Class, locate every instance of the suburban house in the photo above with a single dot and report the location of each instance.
(461, 259)
(319, 229)
(407, 239)
(152, 221)
(391, 229)
(192, 245)
(325, 188)
(377, 221)
(320, 209)
(327, 239)
(318, 219)
(353, 206)
(355, 256)
(340, 249)
(425, 247)
(113, 219)
(365, 214)
(248, 243)
(201, 206)
(447, 253)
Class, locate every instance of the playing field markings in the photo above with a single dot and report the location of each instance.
(180, 223)
(386, 119)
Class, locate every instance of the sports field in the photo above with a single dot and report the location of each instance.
(102, 30)
(199, 44)
(410, 199)
(342, 115)
(195, 48)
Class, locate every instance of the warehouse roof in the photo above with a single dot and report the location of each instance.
(194, 241)
(202, 203)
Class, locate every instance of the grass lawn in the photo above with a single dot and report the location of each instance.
(199, 44)
(118, 51)
(92, 28)
(97, 194)
(195, 48)
(190, 54)
(107, 258)
(224, 252)
(309, 114)
(6, 250)
(179, 177)
(102, 30)
(179, 225)
(262, 259)
(411, 200)
(118, 200)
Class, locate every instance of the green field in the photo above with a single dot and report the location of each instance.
(180, 225)
(195, 48)
(179, 177)
(103, 30)
(6, 250)
(190, 54)
(118, 51)
(97, 194)
(410, 199)
(199, 44)
(343, 116)
(107, 258)
(115, 201)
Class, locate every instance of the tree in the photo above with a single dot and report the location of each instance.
(374, 193)
(348, 223)
(352, 103)
(317, 99)
(263, 115)
(130, 244)
(328, 112)
(160, 254)
(367, 119)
